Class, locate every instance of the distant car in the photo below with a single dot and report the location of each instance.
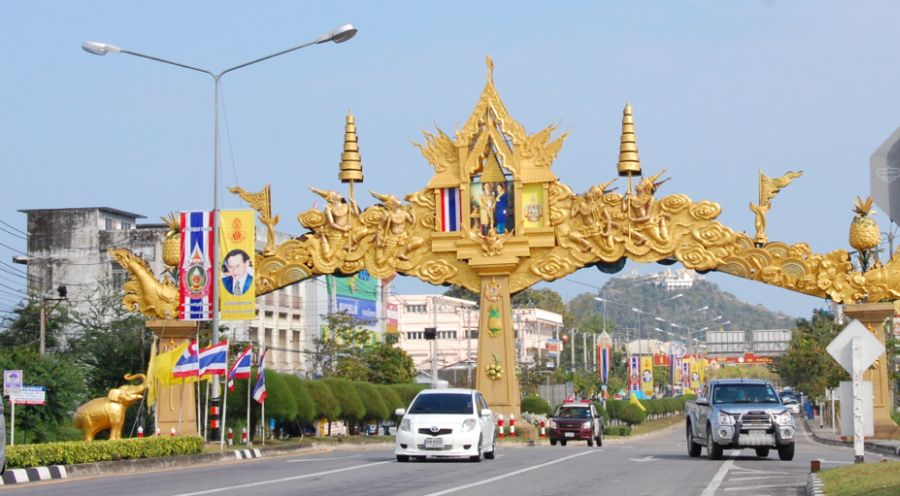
(792, 404)
(576, 421)
(446, 423)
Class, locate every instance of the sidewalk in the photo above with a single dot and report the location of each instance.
(824, 434)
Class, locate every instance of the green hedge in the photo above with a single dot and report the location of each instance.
(72, 452)
(536, 405)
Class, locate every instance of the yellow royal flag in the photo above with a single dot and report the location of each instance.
(151, 375)
(165, 362)
(237, 289)
(635, 401)
(647, 375)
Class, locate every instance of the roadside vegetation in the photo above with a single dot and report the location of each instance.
(864, 479)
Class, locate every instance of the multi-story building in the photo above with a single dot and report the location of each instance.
(456, 322)
(68, 247)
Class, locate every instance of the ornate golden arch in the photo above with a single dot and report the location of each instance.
(548, 233)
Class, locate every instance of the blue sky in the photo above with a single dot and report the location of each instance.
(719, 91)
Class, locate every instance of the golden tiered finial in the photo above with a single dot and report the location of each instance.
(490, 68)
(351, 163)
(629, 162)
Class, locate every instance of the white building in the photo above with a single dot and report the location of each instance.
(674, 280)
(69, 246)
(456, 321)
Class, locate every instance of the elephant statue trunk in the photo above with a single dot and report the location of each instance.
(109, 413)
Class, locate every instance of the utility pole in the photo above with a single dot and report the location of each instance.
(45, 313)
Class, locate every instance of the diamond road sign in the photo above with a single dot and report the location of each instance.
(840, 347)
(884, 176)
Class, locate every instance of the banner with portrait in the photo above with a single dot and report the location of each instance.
(237, 289)
(195, 270)
(647, 375)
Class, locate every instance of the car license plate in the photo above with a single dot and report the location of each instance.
(570, 434)
(757, 433)
(434, 443)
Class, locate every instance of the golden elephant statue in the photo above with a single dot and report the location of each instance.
(109, 413)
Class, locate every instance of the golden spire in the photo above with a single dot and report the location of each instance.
(351, 163)
(629, 162)
(490, 69)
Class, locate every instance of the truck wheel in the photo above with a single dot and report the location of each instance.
(713, 450)
(562, 442)
(553, 442)
(402, 458)
(590, 442)
(600, 439)
(786, 452)
(692, 447)
(762, 452)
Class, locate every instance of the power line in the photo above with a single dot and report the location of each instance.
(13, 249)
(13, 234)
(13, 227)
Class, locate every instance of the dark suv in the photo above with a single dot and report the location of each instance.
(576, 421)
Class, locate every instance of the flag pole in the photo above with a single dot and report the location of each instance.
(201, 426)
(206, 412)
(224, 402)
(262, 422)
(249, 432)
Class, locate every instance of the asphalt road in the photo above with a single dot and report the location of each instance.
(653, 465)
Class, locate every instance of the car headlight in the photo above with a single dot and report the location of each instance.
(468, 425)
(586, 425)
(553, 424)
(725, 418)
(405, 425)
(783, 418)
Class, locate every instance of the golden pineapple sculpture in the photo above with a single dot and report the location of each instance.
(864, 232)
(172, 244)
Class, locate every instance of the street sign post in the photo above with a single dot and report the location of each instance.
(856, 349)
(12, 381)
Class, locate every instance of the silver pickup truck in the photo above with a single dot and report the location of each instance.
(737, 414)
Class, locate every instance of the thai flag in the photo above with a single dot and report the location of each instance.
(259, 390)
(673, 369)
(188, 364)
(195, 272)
(604, 363)
(214, 360)
(449, 209)
(241, 368)
(685, 373)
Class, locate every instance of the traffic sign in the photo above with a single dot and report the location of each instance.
(840, 347)
(884, 170)
(12, 381)
(29, 395)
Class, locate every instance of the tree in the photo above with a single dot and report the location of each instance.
(462, 293)
(339, 351)
(64, 383)
(387, 364)
(806, 365)
(24, 328)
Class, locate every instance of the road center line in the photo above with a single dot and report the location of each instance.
(720, 475)
(285, 479)
(754, 488)
(509, 474)
(297, 460)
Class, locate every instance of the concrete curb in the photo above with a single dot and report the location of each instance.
(20, 475)
(873, 446)
(814, 486)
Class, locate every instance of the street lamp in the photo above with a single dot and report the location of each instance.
(338, 35)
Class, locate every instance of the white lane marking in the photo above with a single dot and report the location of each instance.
(509, 474)
(839, 463)
(753, 488)
(285, 479)
(759, 477)
(649, 458)
(720, 476)
(296, 460)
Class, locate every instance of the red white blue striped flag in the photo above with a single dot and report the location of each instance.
(259, 390)
(214, 360)
(448, 210)
(241, 367)
(195, 272)
(188, 365)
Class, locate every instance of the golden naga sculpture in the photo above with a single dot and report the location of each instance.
(101, 414)
(143, 292)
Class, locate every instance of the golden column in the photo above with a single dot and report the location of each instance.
(873, 315)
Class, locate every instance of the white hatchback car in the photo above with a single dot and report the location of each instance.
(446, 422)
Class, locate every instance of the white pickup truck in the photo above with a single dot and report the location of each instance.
(737, 414)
